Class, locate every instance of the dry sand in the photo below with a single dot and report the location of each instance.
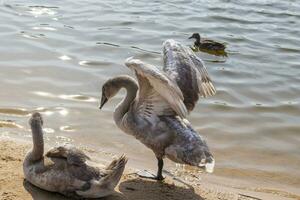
(13, 186)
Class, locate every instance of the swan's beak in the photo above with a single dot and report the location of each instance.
(191, 37)
(103, 101)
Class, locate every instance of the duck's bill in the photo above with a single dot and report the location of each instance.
(191, 37)
(103, 101)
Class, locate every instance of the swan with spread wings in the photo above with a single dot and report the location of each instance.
(156, 105)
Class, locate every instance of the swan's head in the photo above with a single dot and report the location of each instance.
(112, 86)
(195, 36)
(109, 90)
(36, 120)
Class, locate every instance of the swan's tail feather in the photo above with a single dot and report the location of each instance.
(116, 169)
(208, 165)
(105, 186)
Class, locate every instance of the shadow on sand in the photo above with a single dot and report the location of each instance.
(141, 189)
(135, 189)
(37, 193)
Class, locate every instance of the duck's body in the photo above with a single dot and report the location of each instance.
(210, 45)
(154, 109)
(67, 172)
(207, 45)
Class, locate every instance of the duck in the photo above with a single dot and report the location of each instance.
(207, 45)
(66, 169)
(156, 105)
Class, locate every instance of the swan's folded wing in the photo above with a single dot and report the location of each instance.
(157, 93)
(188, 71)
(73, 155)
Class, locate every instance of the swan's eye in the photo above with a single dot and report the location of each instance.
(103, 90)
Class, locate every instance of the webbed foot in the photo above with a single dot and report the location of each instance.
(148, 175)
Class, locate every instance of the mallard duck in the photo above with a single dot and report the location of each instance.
(65, 169)
(155, 108)
(208, 45)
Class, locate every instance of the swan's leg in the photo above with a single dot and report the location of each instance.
(160, 165)
(149, 175)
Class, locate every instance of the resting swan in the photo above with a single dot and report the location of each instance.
(155, 108)
(64, 169)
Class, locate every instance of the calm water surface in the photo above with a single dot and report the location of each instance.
(55, 56)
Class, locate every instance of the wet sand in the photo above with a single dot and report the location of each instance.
(13, 186)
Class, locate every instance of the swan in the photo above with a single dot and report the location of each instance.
(207, 45)
(155, 108)
(65, 169)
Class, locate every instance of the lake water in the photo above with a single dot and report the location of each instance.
(55, 56)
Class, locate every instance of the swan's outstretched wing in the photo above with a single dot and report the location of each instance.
(73, 155)
(188, 71)
(157, 93)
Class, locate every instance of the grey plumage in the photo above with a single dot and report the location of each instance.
(154, 111)
(188, 71)
(73, 155)
(65, 170)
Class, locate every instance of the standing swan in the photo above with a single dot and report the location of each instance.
(64, 169)
(155, 108)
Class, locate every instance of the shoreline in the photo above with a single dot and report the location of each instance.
(13, 186)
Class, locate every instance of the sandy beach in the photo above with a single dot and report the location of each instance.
(13, 186)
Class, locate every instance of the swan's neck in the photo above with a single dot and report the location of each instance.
(122, 108)
(37, 151)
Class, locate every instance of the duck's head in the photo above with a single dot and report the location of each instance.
(195, 36)
(36, 120)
